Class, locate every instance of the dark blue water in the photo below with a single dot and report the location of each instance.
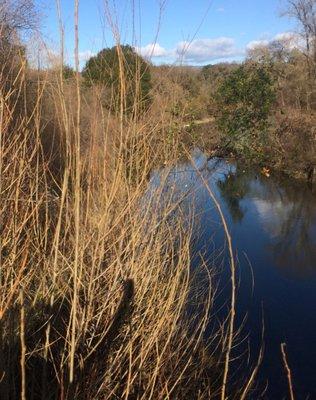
(272, 221)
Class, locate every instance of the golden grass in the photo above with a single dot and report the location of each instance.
(94, 283)
(96, 277)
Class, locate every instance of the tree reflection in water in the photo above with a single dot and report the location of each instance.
(286, 211)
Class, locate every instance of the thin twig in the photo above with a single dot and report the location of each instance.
(23, 347)
(288, 371)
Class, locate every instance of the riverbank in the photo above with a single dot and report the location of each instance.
(290, 146)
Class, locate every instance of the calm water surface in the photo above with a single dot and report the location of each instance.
(273, 225)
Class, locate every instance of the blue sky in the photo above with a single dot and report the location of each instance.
(196, 31)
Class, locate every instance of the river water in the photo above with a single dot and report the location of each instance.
(272, 221)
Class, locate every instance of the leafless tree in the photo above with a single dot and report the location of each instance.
(16, 16)
(304, 11)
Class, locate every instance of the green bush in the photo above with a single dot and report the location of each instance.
(244, 101)
(68, 73)
(123, 73)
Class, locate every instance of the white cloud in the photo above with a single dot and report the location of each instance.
(204, 50)
(220, 9)
(257, 43)
(85, 55)
(152, 50)
(284, 36)
(289, 39)
(273, 214)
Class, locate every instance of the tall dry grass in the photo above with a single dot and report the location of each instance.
(94, 283)
(96, 279)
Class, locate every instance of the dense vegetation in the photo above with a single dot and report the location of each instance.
(94, 289)
(110, 67)
(244, 103)
(264, 108)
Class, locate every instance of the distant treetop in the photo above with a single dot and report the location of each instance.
(124, 74)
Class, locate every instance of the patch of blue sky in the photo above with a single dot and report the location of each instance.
(167, 31)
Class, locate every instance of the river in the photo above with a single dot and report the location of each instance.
(272, 221)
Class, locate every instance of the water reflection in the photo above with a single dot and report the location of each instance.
(273, 222)
(286, 211)
(281, 211)
(233, 188)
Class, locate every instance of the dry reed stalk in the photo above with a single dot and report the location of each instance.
(9, 297)
(288, 372)
(233, 282)
(255, 370)
(23, 347)
(77, 179)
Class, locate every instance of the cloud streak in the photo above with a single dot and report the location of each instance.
(205, 50)
(152, 50)
(197, 51)
(85, 55)
(289, 40)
